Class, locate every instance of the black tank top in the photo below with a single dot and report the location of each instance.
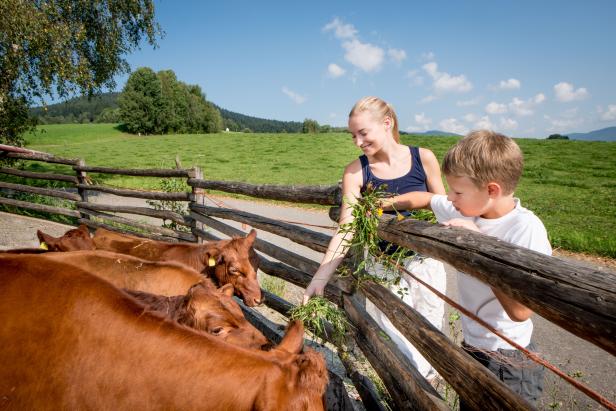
(414, 180)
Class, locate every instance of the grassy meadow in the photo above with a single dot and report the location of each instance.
(570, 185)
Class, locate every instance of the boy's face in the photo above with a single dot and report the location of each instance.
(467, 198)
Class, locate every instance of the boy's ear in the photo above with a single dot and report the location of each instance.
(494, 189)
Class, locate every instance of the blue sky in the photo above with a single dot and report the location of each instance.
(525, 68)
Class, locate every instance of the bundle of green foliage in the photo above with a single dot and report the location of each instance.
(157, 103)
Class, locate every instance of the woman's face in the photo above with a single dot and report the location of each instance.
(368, 133)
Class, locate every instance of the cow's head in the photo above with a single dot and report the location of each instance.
(216, 312)
(235, 262)
(73, 240)
(307, 367)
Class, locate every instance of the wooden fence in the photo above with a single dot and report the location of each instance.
(576, 298)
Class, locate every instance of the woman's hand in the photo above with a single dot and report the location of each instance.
(316, 287)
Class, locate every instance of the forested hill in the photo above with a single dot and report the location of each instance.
(76, 110)
(239, 122)
(84, 110)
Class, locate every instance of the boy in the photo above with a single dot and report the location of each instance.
(482, 171)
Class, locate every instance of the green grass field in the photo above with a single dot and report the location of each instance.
(570, 185)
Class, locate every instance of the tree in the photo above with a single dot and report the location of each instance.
(62, 47)
(159, 103)
(141, 103)
(557, 137)
(310, 126)
(108, 115)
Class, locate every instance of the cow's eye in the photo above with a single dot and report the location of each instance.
(217, 330)
(234, 271)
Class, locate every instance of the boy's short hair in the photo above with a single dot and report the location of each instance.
(485, 156)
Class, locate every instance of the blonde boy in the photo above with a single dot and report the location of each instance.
(482, 171)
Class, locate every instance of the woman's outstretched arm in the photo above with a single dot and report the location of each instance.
(336, 250)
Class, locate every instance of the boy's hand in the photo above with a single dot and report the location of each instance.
(460, 222)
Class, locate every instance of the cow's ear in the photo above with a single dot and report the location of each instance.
(84, 228)
(227, 290)
(212, 258)
(250, 238)
(293, 340)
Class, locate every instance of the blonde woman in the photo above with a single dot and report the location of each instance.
(399, 169)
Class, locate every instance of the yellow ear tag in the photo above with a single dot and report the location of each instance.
(211, 262)
(43, 246)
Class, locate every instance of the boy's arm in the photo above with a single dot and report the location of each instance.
(515, 310)
(408, 201)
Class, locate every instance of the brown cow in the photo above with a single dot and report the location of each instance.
(73, 240)
(231, 261)
(209, 309)
(70, 340)
(200, 306)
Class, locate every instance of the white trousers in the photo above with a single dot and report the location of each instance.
(421, 299)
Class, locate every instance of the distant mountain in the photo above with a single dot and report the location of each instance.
(435, 133)
(604, 134)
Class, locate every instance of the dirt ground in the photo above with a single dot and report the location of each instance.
(573, 355)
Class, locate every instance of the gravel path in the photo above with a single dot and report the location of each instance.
(570, 353)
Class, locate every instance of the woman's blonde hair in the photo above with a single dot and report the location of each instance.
(379, 109)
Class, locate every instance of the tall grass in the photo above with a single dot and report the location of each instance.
(570, 185)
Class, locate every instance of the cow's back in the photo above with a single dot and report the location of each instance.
(125, 271)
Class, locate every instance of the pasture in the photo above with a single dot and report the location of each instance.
(570, 185)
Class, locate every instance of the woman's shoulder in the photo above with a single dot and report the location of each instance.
(353, 167)
(427, 156)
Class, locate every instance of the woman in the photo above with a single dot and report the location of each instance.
(398, 169)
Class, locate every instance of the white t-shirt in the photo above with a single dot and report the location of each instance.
(520, 227)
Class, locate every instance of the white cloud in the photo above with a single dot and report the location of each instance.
(539, 98)
(396, 55)
(298, 99)
(496, 108)
(416, 79)
(453, 126)
(467, 103)
(341, 30)
(484, 123)
(422, 123)
(444, 82)
(470, 118)
(563, 124)
(525, 108)
(508, 123)
(610, 113)
(509, 84)
(565, 92)
(335, 70)
(363, 55)
(428, 99)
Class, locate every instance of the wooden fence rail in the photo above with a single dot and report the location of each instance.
(575, 297)
(326, 195)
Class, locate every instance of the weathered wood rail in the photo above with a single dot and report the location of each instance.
(576, 298)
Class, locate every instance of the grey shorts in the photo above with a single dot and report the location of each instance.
(514, 369)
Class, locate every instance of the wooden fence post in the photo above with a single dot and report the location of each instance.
(82, 180)
(196, 198)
